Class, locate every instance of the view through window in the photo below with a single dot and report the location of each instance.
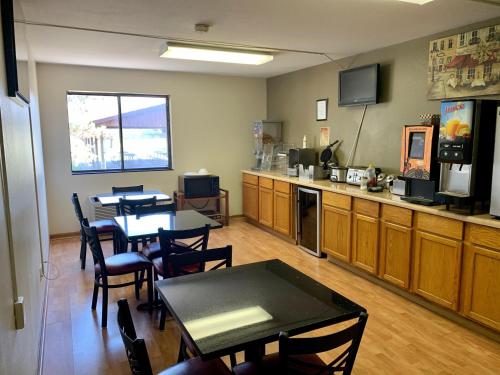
(118, 132)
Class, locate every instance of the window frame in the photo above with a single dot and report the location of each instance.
(118, 95)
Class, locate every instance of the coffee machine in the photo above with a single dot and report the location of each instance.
(297, 156)
(465, 152)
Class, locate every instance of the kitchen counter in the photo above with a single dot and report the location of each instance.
(382, 197)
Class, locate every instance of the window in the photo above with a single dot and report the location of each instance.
(488, 68)
(442, 45)
(491, 33)
(435, 47)
(118, 132)
(459, 73)
(450, 43)
(471, 73)
(462, 40)
(474, 38)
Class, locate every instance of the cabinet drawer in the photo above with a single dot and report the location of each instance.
(397, 215)
(337, 200)
(266, 182)
(441, 226)
(481, 235)
(250, 179)
(366, 207)
(282, 187)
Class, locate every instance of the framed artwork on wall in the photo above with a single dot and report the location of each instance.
(465, 65)
(321, 109)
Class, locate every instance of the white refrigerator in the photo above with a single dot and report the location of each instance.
(495, 186)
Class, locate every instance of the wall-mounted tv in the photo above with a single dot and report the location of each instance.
(15, 50)
(359, 86)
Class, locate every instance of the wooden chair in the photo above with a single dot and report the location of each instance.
(193, 239)
(129, 207)
(298, 355)
(116, 265)
(182, 265)
(138, 358)
(102, 226)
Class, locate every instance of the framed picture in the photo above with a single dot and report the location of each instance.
(465, 65)
(321, 109)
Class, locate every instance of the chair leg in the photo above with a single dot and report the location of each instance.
(83, 250)
(182, 352)
(115, 243)
(150, 287)
(94, 295)
(141, 279)
(104, 321)
(232, 359)
(136, 285)
(163, 317)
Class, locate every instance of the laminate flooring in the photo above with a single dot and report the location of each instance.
(401, 337)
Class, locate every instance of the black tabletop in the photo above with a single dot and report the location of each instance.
(109, 199)
(229, 309)
(135, 227)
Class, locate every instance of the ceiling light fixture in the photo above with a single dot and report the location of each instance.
(419, 2)
(214, 54)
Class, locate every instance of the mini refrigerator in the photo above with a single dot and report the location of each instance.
(495, 186)
(309, 220)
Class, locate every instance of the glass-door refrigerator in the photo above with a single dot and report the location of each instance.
(309, 220)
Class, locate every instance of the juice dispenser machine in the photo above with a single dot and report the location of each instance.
(465, 151)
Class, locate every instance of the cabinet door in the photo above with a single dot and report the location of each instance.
(436, 269)
(251, 201)
(395, 248)
(481, 283)
(266, 207)
(282, 211)
(365, 242)
(336, 233)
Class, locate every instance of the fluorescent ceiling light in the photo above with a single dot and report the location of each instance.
(214, 54)
(419, 2)
(227, 321)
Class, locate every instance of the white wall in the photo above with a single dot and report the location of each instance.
(211, 125)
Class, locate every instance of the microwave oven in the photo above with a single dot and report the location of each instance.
(199, 186)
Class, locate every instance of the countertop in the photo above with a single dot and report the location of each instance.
(382, 197)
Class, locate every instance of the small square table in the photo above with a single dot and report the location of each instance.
(109, 199)
(245, 307)
(136, 227)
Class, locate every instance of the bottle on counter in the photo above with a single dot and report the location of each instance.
(363, 183)
(371, 176)
(304, 142)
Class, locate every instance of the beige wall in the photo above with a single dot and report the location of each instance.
(22, 236)
(211, 125)
(292, 98)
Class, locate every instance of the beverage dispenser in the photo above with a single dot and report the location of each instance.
(465, 151)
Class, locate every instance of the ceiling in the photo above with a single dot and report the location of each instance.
(337, 27)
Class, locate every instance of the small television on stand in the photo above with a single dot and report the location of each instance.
(359, 86)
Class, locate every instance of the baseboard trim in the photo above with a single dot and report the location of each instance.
(441, 311)
(57, 236)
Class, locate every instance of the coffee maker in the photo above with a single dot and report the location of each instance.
(297, 156)
(465, 152)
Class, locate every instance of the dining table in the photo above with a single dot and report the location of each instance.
(110, 199)
(244, 307)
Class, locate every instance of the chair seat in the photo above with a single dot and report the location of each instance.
(152, 250)
(103, 226)
(124, 263)
(158, 266)
(270, 365)
(198, 366)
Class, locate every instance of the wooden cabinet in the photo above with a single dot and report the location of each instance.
(436, 268)
(365, 238)
(481, 276)
(282, 208)
(395, 245)
(336, 233)
(266, 202)
(250, 196)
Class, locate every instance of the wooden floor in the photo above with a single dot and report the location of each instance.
(400, 338)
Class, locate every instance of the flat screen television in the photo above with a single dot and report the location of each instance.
(359, 86)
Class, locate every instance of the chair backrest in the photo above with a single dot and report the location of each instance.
(94, 244)
(223, 255)
(343, 363)
(135, 348)
(127, 189)
(77, 207)
(128, 206)
(168, 242)
(151, 210)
